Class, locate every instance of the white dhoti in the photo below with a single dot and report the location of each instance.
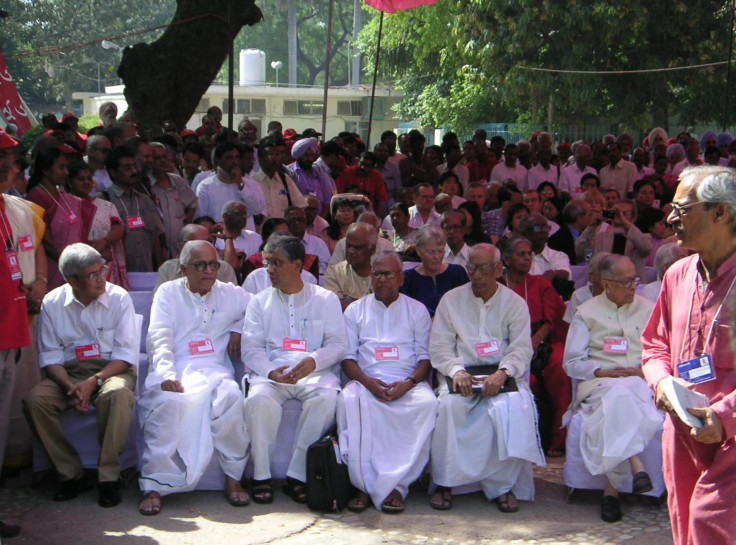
(263, 410)
(182, 430)
(385, 444)
(619, 419)
(487, 440)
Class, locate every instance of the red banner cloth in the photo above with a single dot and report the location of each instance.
(392, 6)
(11, 106)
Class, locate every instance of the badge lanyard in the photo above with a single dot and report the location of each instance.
(713, 324)
(137, 207)
(67, 209)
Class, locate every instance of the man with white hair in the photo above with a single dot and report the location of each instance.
(689, 338)
(192, 406)
(386, 413)
(479, 341)
(88, 351)
(98, 146)
(293, 339)
(666, 255)
(311, 181)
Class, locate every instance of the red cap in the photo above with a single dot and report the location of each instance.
(6, 141)
(187, 133)
(564, 145)
(289, 134)
(68, 116)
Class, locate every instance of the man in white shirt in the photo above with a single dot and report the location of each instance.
(229, 185)
(456, 251)
(88, 350)
(293, 339)
(423, 212)
(279, 190)
(571, 175)
(386, 414)
(618, 173)
(543, 171)
(235, 232)
(483, 435)
(546, 262)
(192, 406)
(296, 218)
(510, 169)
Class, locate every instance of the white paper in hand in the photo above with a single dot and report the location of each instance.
(682, 398)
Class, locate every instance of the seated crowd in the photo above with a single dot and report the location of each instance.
(417, 300)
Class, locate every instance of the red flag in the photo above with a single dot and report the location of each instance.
(11, 105)
(392, 6)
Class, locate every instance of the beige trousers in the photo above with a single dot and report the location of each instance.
(114, 402)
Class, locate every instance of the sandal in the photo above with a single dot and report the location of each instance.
(262, 491)
(151, 504)
(642, 483)
(393, 504)
(359, 503)
(236, 496)
(441, 499)
(297, 490)
(507, 503)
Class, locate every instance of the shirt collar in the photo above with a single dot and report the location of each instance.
(69, 298)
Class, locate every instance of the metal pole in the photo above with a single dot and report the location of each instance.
(375, 76)
(230, 67)
(728, 69)
(327, 69)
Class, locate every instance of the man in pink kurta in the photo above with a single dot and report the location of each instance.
(699, 464)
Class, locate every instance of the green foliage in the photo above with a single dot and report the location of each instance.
(87, 121)
(29, 137)
(461, 62)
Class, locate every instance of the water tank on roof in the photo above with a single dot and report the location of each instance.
(252, 67)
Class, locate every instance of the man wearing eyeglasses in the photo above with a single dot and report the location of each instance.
(293, 339)
(192, 406)
(483, 434)
(546, 262)
(88, 352)
(456, 251)
(387, 412)
(689, 338)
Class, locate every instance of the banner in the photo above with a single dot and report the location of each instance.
(392, 6)
(11, 105)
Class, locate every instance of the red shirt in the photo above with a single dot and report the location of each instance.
(14, 332)
(371, 186)
(482, 170)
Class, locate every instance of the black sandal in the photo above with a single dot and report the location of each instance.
(297, 490)
(262, 491)
(642, 483)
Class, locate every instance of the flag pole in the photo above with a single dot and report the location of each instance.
(327, 69)
(375, 76)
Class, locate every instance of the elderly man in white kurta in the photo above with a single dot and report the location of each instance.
(603, 352)
(483, 436)
(386, 414)
(293, 339)
(192, 407)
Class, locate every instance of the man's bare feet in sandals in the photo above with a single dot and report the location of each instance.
(236, 496)
(393, 503)
(359, 503)
(441, 499)
(507, 503)
(151, 504)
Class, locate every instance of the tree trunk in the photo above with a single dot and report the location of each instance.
(165, 80)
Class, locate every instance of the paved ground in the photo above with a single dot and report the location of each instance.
(206, 518)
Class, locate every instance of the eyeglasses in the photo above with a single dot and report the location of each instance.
(628, 284)
(677, 209)
(201, 266)
(297, 220)
(275, 263)
(453, 227)
(541, 228)
(388, 275)
(93, 276)
(485, 269)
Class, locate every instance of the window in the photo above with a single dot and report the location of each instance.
(290, 107)
(204, 105)
(350, 108)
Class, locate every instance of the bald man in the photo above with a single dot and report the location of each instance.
(351, 279)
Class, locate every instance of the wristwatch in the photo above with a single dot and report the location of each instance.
(100, 382)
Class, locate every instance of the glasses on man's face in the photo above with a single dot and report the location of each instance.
(388, 275)
(629, 284)
(541, 228)
(458, 227)
(485, 269)
(297, 220)
(678, 209)
(201, 266)
(94, 276)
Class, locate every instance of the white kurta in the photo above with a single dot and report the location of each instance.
(187, 340)
(490, 440)
(281, 330)
(386, 444)
(258, 280)
(619, 416)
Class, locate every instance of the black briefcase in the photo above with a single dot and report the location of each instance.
(328, 481)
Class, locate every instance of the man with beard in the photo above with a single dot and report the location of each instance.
(311, 181)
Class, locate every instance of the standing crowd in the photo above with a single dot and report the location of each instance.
(420, 300)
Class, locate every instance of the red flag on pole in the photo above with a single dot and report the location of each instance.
(392, 6)
(11, 105)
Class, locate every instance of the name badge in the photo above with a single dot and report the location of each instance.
(387, 353)
(88, 352)
(490, 348)
(71, 216)
(201, 347)
(135, 222)
(295, 345)
(26, 243)
(697, 370)
(615, 345)
(13, 266)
